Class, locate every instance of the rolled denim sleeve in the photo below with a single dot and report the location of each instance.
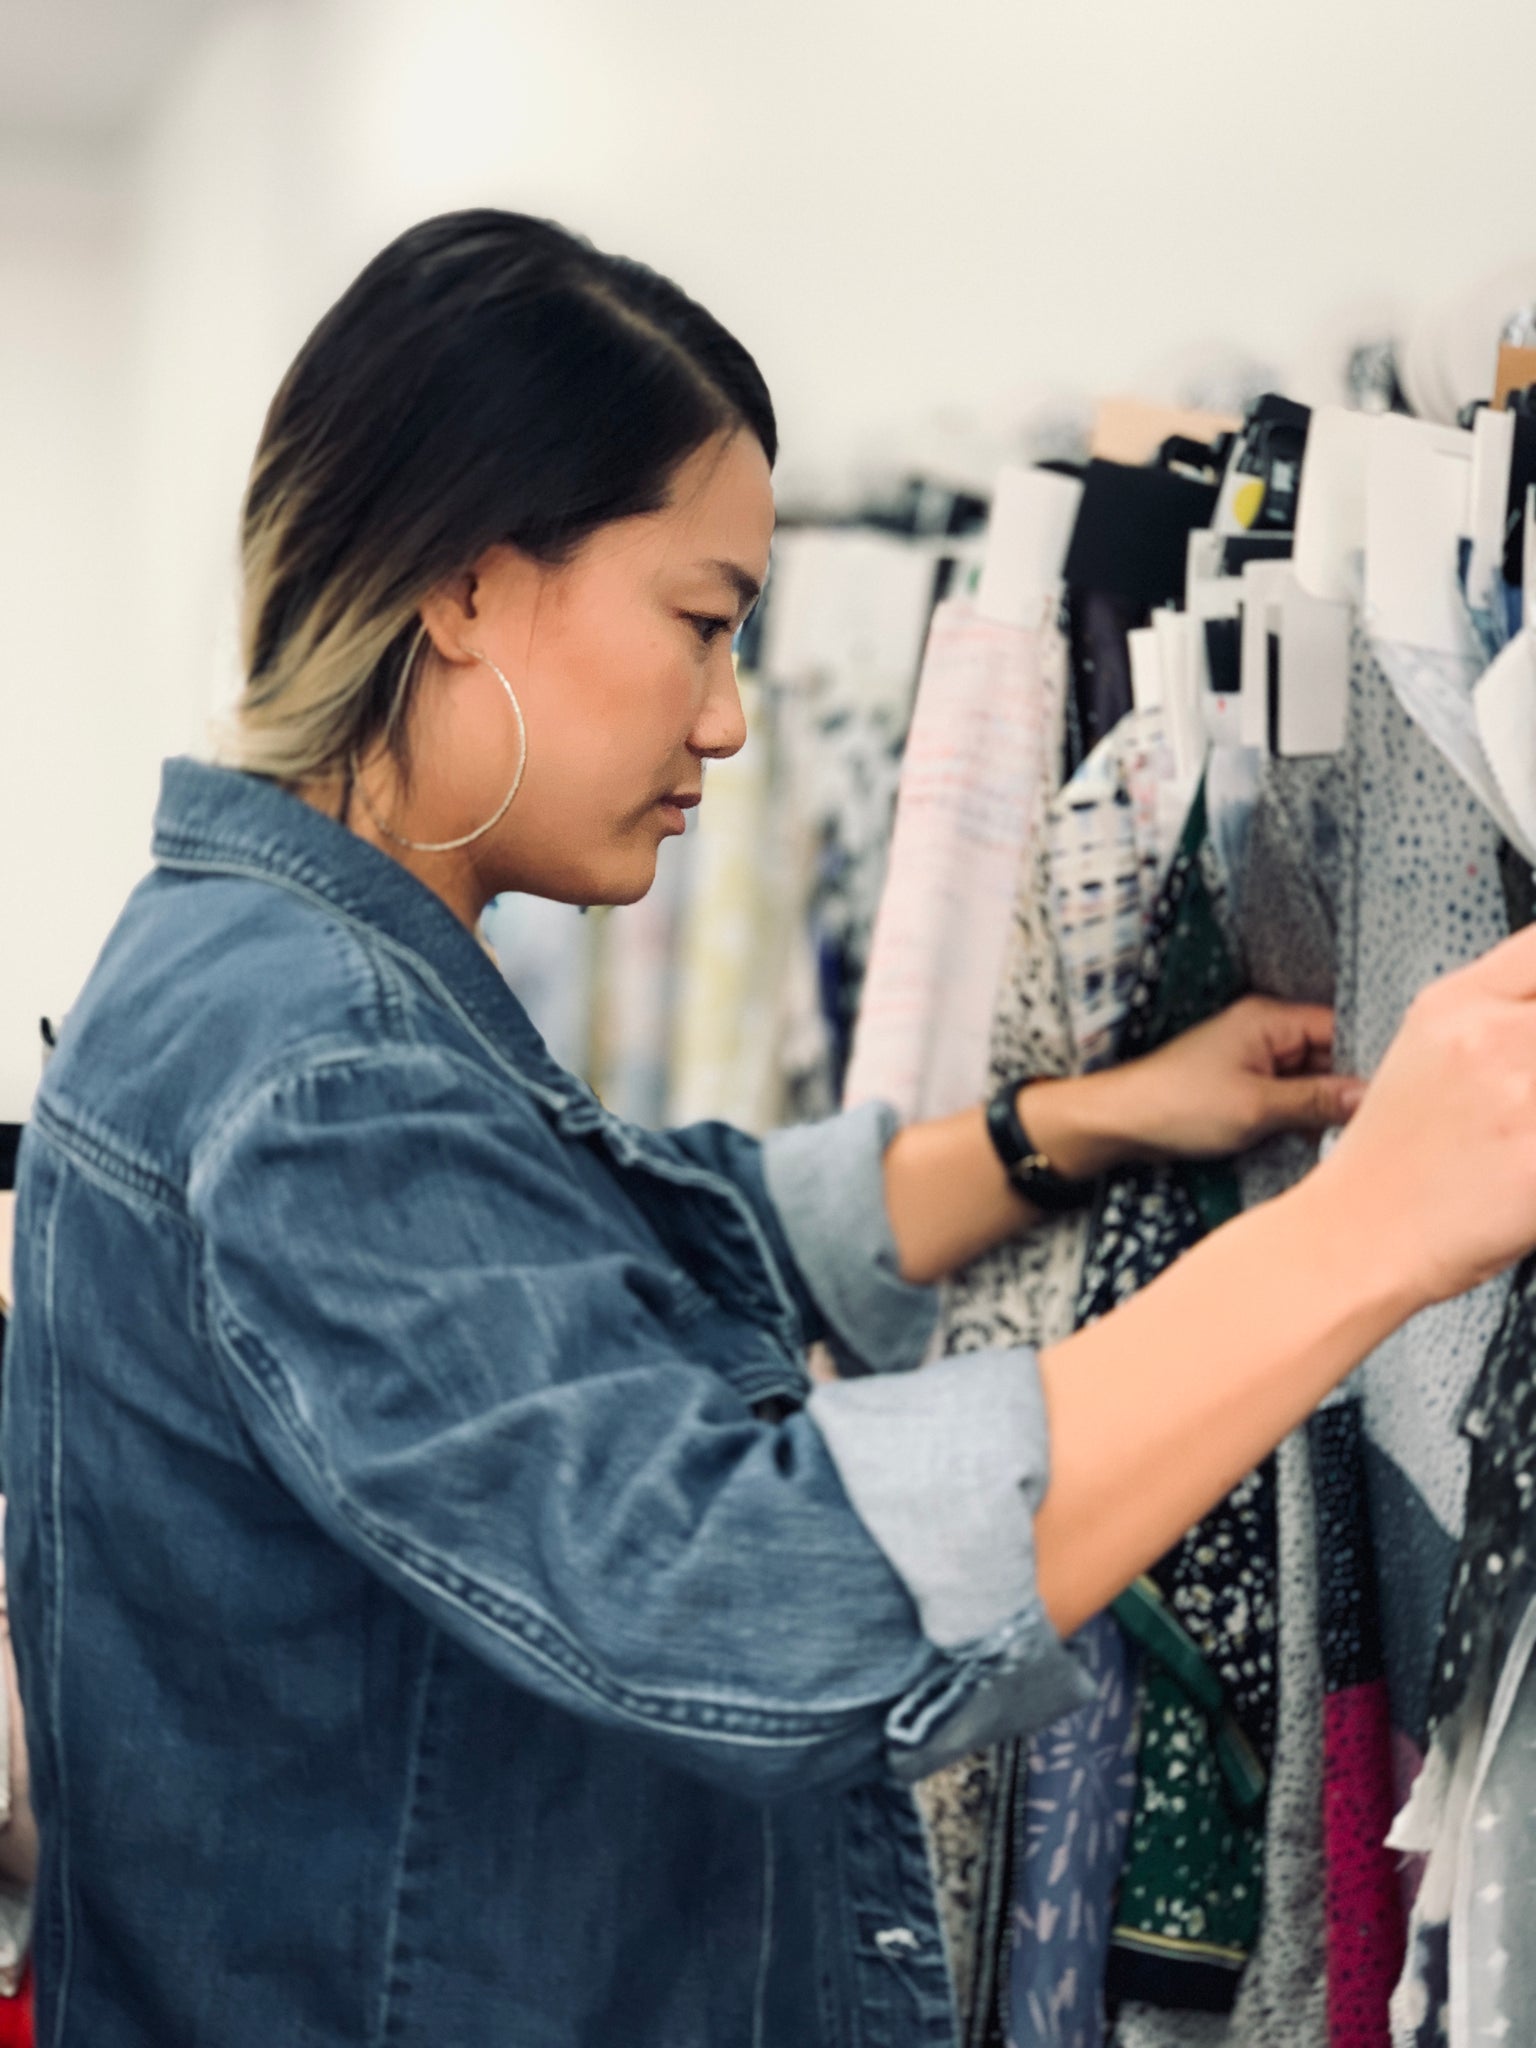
(826, 1181)
(947, 1470)
(475, 1392)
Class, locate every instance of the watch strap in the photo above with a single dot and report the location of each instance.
(1029, 1171)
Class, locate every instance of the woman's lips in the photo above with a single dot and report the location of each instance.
(673, 807)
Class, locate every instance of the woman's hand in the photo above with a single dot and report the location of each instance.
(1159, 1408)
(1435, 1181)
(1258, 1068)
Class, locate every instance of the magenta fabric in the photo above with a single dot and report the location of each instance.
(1364, 1901)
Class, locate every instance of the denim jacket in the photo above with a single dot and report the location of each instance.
(446, 1612)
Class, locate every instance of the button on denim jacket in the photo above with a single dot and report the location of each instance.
(447, 1615)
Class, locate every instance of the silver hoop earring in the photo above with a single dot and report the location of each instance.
(469, 838)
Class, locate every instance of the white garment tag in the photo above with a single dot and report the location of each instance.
(1033, 513)
(1146, 668)
(1182, 692)
(1330, 511)
(1314, 671)
(1493, 450)
(1202, 560)
(1418, 483)
(1505, 705)
(1263, 583)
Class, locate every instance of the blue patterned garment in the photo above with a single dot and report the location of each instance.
(1080, 1790)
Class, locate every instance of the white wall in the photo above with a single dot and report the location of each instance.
(925, 221)
(75, 778)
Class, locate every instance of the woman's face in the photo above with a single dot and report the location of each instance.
(621, 661)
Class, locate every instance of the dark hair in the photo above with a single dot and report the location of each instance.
(488, 378)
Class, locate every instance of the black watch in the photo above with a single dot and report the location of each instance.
(1030, 1173)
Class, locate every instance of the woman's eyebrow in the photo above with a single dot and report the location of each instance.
(746, 586)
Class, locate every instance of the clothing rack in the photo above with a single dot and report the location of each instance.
(1259, 714)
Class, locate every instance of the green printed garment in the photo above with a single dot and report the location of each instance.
(1205, 1618)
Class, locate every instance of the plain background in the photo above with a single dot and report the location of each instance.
(934, 225)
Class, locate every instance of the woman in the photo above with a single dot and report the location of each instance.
(446, 1612)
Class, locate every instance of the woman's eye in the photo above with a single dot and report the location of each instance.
(708, 629)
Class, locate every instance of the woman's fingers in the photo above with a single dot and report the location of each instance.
(1441, 1161)
(1278, 1038)
(1311, 1103)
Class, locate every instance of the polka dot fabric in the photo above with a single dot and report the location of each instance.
(1495, 1572)
(1428, 898)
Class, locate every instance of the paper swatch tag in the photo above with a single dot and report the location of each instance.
(1505, 704)
(1314, 671)
(1417, 492)
(1493, 449)
(1178, 648)
(1146, 668)
(1330, 512)
(1033, 512)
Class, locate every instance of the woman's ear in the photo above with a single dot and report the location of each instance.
(449, 615)
(495, 597)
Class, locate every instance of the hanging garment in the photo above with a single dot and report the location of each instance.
(1079, 1791)
(846, 618)
(1026, 1285)
(1298, 845)
(1482, 1799)
(18, 1839)
(1470, 1976)
(1298, 884)
(1298, 870)
(858, 749)
(1190, 1892)
(1046, 1827)
(1112, 832)
(16, 2016)
(1281, 1997)
(719, 935)
(1098, 623)
(1395, 841)
(1363, 1903)
(1423, 897)
(978, 769)
(545, 951)
(638, 989)
(1426, 898)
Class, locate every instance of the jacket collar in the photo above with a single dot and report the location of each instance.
(222, 821)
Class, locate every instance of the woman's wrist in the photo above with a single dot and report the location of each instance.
(1344, 1261)
(1085, 1124)
(1089, 1124)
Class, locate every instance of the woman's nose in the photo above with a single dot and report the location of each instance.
(721, 727)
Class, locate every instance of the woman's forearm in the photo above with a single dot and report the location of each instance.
(947, 1195)
(1159, 1409)
(1258, 1067)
